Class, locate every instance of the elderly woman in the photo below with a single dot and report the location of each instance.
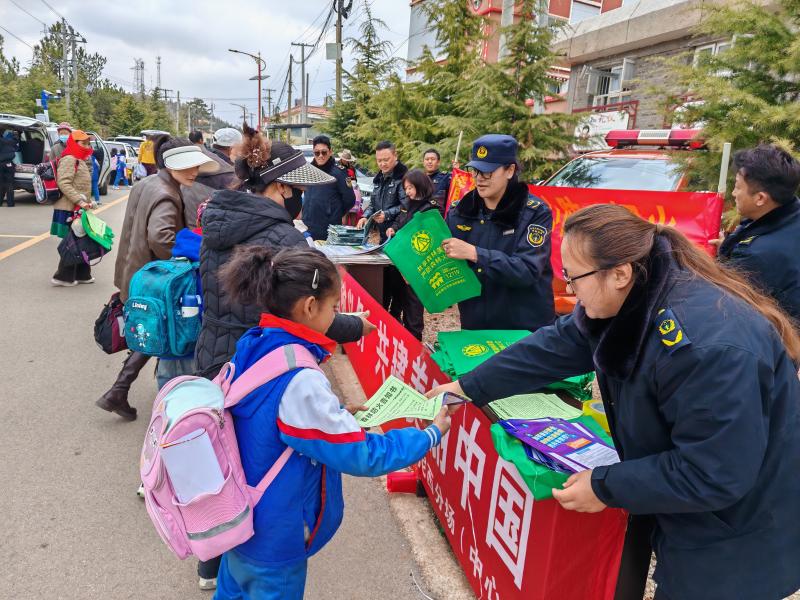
(74, 179)
(698, 373)
(504, 234)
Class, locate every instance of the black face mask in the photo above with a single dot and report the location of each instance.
(294, 204)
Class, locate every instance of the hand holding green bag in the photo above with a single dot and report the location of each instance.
(97, 229)
(416, 251)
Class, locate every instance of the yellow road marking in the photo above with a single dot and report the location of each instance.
(8, 235)
(43, 236)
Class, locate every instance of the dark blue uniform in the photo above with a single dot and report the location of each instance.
(387, 195)
(513, 265)
(441, 186)
(703, 400)
(325, 205)
(767, 251)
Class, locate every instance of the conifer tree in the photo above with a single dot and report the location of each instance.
(749, 93)
(129, 117)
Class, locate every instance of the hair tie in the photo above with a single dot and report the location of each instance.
(315, 281)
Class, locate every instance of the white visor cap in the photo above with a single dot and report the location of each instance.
(186, 157)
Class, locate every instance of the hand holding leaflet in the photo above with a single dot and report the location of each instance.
(396, 400)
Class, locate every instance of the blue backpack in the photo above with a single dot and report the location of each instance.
(162, 313)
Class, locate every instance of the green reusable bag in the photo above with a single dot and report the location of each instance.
(467, 349)
(97, 229)
(416, 251)
(539, 478)
(579, 387)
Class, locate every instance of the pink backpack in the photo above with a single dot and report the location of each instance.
(195, 488)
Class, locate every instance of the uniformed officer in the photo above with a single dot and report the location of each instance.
(699, 380)
(431, 160)
(504, 234)
(766, 245)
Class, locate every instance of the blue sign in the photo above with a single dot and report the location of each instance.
(45, 96)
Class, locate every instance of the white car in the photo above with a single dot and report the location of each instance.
(131, 158)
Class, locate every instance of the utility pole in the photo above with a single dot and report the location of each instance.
(342, 12)
(189, 117)
(65, 61)
(211, 127)
(244, 111)
(73, 37)
(289, 108)
(178, 115)
(269, 109)
(304, 90)
(158, 72)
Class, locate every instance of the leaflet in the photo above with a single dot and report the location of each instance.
(533, 406)
(396, 400)
(569, 445)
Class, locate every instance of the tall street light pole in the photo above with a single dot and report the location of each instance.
(261, 65)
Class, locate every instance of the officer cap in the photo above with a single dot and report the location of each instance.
(490, 152)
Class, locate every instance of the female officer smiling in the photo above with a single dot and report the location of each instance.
(504, 234)
(698, 373)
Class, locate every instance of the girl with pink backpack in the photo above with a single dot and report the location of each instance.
(302, 508)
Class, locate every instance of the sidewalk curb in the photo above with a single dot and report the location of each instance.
(442, 577)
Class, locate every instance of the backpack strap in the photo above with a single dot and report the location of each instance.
(273, 365)
(276, 363)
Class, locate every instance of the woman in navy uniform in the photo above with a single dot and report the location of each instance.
(504, 234)
(698, 373)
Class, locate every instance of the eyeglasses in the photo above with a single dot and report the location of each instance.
(321, 152)
(482, 174)
(571, 280)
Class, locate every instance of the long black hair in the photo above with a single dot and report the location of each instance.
(275, 280)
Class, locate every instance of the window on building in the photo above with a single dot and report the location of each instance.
(708, 50)
(612, 85)
(583, 10)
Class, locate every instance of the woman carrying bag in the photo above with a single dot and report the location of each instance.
(698, 374)
(74, 179)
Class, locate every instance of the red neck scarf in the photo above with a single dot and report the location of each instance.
(298, 330)
(75, 149)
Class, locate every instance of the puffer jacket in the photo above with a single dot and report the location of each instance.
(153, 217)
(73, 182)
(232, 219)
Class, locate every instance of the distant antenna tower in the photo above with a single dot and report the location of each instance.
(138, 76)
(158, 72)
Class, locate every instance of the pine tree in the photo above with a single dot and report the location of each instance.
(129, 117)
(498, 96)
(749, 93)
(158, 116)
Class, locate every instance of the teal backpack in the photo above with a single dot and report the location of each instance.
(162, 313)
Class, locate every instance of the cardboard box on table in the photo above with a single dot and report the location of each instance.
(509, 545)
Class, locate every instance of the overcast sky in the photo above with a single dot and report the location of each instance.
(193, 37)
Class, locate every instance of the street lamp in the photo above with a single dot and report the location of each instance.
(261, 65)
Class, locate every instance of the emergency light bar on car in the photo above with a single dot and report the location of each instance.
(676, 138)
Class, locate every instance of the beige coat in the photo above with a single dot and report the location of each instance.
(73, 182)
(154, 214)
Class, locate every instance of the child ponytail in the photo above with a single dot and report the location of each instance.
(275, 280)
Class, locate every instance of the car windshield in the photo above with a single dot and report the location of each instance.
(619, 173)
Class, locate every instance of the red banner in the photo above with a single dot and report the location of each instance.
(696, 214)
(509, 545)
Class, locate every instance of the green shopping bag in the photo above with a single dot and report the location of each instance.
(467, 349)
(539, 478)
(97, 229)
(579, 387)
(416, 251)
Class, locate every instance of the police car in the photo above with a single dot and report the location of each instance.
(636, 160)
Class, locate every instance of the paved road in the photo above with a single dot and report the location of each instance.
(73, 527)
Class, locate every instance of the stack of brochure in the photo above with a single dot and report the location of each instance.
(345, 235)
(561, 445)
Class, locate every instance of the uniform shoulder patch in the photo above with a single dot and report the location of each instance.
(463, 227)
(536, 235)
(533, 203)
(670, 330)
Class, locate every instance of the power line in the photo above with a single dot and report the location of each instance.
(55, 12)
(16, 36)
(29, 14)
